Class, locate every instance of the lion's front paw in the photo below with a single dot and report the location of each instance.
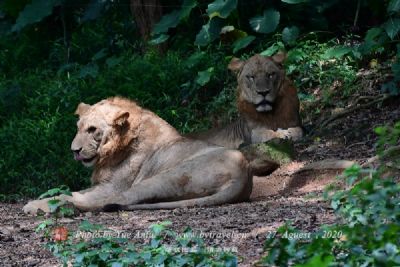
(34, 206)
(295, 133)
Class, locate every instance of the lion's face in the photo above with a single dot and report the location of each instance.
(260, 79)
(98, 126)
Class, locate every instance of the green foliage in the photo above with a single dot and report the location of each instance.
(368, 234)
(290, 35)
(221, 8)
(209, 32)
(242, 43)
(318, 66)
(58, 209)
(104, 247)
(171, 20)
(266, 23)
(34, 12)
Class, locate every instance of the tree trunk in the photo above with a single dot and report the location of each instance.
(146, 13)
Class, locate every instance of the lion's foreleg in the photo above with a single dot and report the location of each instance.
(261, 135)
(86, 200)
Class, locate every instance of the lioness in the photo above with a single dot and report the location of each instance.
(142, 162)
(267, 103)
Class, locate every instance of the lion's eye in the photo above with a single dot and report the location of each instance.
(250, 77)
(271, 75)
(91, 129)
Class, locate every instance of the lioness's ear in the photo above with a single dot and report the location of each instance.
(279, 57)
(235, 65)
(82, 108)
(121, 118)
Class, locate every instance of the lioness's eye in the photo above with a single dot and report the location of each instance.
(91, 129)
(270, 75)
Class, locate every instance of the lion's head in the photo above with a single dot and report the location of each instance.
(259, 79)
(104, 129)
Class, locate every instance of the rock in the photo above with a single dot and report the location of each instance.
(264, 158)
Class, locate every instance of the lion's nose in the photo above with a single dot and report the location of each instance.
(76, 151)
(263, 93)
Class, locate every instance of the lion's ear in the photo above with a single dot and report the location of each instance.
(121, 118)
(279, 57)
(235, 65)
(81, 109)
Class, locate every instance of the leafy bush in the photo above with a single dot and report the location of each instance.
(104, 247)
(368, 234)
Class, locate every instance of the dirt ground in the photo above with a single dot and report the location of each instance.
(282, 196)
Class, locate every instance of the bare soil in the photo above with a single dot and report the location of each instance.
(278, 198)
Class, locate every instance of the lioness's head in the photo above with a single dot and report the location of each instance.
(103, 129)
(259, 79)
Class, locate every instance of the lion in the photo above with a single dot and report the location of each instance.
(267, 103)
(142, 162)
(268, 109)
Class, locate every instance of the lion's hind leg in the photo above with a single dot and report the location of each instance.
(221, 197)
(221, 176)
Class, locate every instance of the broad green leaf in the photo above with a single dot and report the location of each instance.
(272, 49)
(50, 193)
(113, 61)
(53, 204)
(169, 20)
(187, 7)
(104, 255)
(266, 23)
(204, 77)
(99, 55)
(221, 8)
(337, 52)
(242, 43)
(295, 1)
(194, 59)
(394, 6)
(392, 27)
(159, 39)
(90, 70)
(79, 257)
(371, 40)
(35, 12)
(209, 32)
(318, 261)
(290, 34)
(372, 34)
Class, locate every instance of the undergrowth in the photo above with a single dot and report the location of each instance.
(369, 212)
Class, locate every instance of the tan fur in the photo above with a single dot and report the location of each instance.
(141, 162)
(279, 119)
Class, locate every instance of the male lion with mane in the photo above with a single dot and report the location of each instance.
(268, 109)
(142, 162)
(267, 103)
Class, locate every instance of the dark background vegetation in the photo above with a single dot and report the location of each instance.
(171, 57)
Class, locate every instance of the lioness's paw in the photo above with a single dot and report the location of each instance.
(34, 206)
